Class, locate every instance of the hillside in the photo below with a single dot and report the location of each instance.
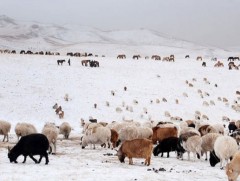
(36, 36)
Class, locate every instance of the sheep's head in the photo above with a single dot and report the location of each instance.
(121, 155)
(83, 142)
(232, 175)
(12, 156)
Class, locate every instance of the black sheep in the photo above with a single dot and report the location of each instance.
(166, 145)
(33, 144)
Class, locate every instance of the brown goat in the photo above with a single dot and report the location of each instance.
(233, 168)
(160, 133)
(137, 148)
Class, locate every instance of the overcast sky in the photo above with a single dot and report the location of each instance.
(214, 22)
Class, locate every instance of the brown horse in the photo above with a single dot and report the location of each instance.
(122, 56)
(156, 57)
(219, 64)
(85, 62)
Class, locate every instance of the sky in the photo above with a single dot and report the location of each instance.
(213, 22)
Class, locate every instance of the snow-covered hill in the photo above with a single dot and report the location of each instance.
(36, 36)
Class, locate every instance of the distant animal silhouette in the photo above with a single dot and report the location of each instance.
(60, 62)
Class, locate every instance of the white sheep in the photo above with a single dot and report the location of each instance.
(208, 141)
(144, 132)
(99, 135)
(89, 126)
(216, 128)
(193, 144)
(51, 132)
(65, 129)
(225, 147)
(23, 129)
(4, 129)
(128, 133)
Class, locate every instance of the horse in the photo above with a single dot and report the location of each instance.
(136, 56)
(85, 62)
(121, 56)
(187, 56)
(156, 57)
(219, 64)
(230, 58)
(199, 58)
(60, 62)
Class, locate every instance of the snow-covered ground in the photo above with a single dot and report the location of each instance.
(32, 84)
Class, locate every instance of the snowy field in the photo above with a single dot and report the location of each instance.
(32, 84)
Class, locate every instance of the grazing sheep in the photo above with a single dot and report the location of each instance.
(107, 104)
(88, 127)
(157, 101)
(65, 129)
(216, 128)
(176, 101)
(205, 117)
(185, 94)
(66, 97)
(61, 114)
(51, 132)
(23, 129)
(219, 99)
(225, 118)
(144, 132)
(128, 133)
(224, 148)
(206, 94)
(4, 129)
(233, 168)
(190, 85)
(205, 103)
(125, 88)
(118, 110)
(55, 106)
(225, 99)
(199, 91)
(167, 114)
(99, 135)
(135, 102)
(176, 118)
(212, 103)
(189, 130)
(112, 92)
(190, 142)
(164, 99)
(208, 141)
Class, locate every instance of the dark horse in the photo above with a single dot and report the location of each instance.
(60, 62)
